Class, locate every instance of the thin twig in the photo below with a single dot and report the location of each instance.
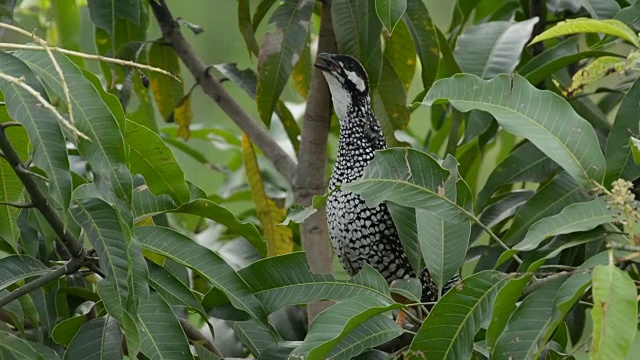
(18, 205)
(56, 66)
(173, 37)
(625, 247)
(195, 335)
(10, 124)
(91, 57)
(69, 268)
(43, 102)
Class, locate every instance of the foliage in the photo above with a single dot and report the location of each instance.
(524, 182)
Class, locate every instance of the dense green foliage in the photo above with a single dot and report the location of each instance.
(523, 179)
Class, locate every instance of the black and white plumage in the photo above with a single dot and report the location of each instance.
(361, 234)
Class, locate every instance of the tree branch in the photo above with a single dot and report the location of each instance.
(312, 163)
(195, 335)
(76, 250)
(70, 267)
(39, 200)
(173, 37)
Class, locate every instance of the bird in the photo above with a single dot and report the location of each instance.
(361, 234)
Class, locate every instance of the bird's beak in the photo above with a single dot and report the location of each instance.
(326, 62)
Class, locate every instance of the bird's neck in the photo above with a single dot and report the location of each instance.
(360, 137)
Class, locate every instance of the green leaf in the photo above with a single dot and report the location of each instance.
(404, 218)
(493, 48)
(584, 25)
(151, 158)
(104, 14)
(255, 336)
(634, 144)
(49, 152)
(542, 117)
(618, 153)
(423, 30)
(444, 244)
(534, 321)
(411, 178)
(217, 213)
(23, 349)
(525, 164)
(64, 332)
(99, 338)
(276, 288)
(261, 10)
(185, 251)
(549, 200)
(334, 324)
(357, 30)
(172, 290)
(614, 312)
(280, 51)
(390, 11)
(127, 321)
(247, 31)
(99, 116)
(116, 250)
(15, 268)
(393, 98)
(162, 335)
(167, 91)
(410, 288)
(448, 331)
(504, 207)
(401, 53)
(555, 58)
(504, 305)
(576, 217)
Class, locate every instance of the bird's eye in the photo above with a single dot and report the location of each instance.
(349, 66)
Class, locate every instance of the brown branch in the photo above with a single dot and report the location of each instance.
(312, 163)
(77, 251)
(39, 200)
(70, 267)
(194, 335)
(173, 37)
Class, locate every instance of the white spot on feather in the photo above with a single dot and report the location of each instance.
(356, 80)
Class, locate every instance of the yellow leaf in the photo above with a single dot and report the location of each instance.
(182, 116)
(279, 238)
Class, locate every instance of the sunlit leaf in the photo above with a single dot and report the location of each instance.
(279, 238)
(594, 71)
(182, 116)
(634, 144)
(584, 25)
(105, 14)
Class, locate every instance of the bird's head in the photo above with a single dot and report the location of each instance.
(347, 79)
